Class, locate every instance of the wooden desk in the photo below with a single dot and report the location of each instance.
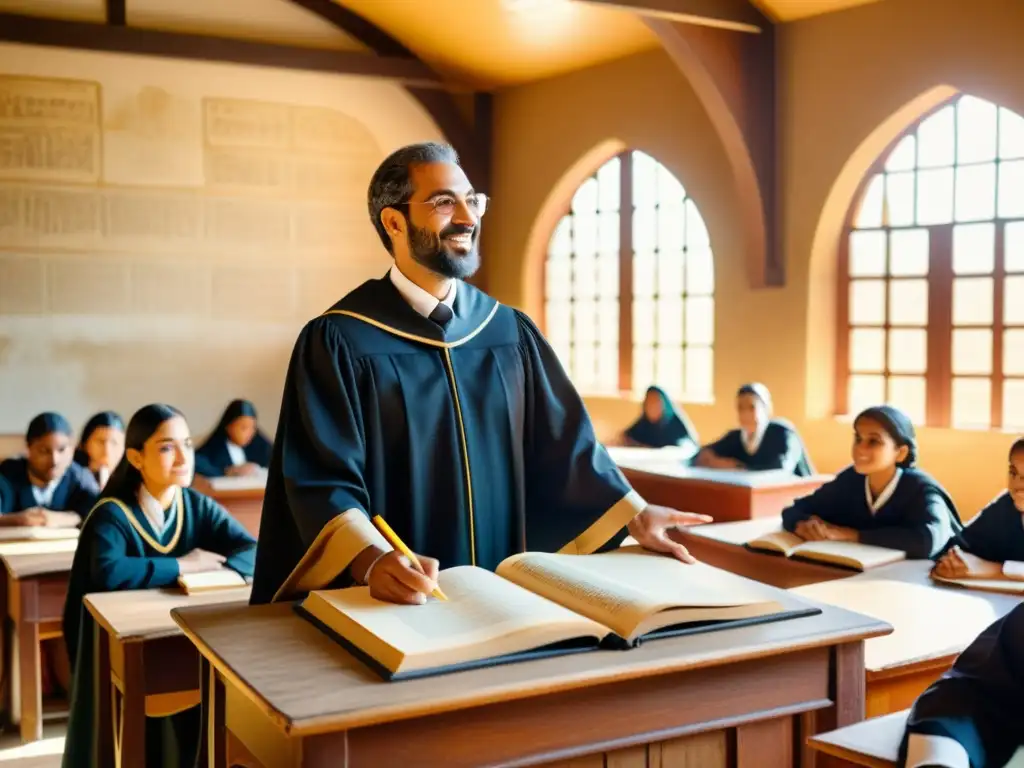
(932, 625)
(873, 743)
(144, 664)
(36, 574)
(722, 545)
(725, 494)
(282, 693)
(245, 505)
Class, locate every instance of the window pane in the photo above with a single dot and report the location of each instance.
(867, 350)
(1013, 352)
(671, 220)
(670, 322)
(608, 237)
(608, 322)
(1011, 134)
(867, 302)
(699, 384)
(700, 271)
(867, 253)
(558, 277)
(643, 322)
(903, 155)
(643, 367)
(908, 302)
(935, 196)
(908, 252)
(1013, 404)
(870, 213)
(584, 234)
(865, 391)
(558, 322)
(643, 274)
(645, 232)
(975, 130)
(908, 394)
(1013, 300)
(584, 366)
(935, 139)
(975, 192)
(584, 324)
(608, 367)
(645, 180)
(972, 351)
(973, 300)
(972, 403)
(609, 183)
(974, 249)
(669, 188)
(563, 351)
(696, 230)
(670, 273)
(899, 199)
(561, 241)
(668, 370)
(1011, 188)
(585, 199)
(908, 351)
(700, 320)
(584, 275)
(607, 275)
(1013, 246)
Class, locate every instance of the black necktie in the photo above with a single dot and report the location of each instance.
(442, 314)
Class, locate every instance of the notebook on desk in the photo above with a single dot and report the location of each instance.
(844, 554)
(1010, 586)
(210, 581)
(36, 533)
(538, 605)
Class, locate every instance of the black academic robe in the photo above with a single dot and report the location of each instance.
(980, 701)
(780, 448)
(919, 518)
(213, 459)
(118, 550)
(996, 534)
(76, 491)
(471, 441)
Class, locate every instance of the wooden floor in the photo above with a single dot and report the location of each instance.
(39, 754)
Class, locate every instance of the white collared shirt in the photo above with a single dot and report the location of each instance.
(419, 299)
(876, 504)
(154, 511)
(44, 494)
(236, 454)
(751, 442)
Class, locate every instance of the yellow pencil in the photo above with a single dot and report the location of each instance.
(398, 544)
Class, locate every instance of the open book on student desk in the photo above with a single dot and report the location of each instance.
(1011, 586)
(537, 605)
(846, 554)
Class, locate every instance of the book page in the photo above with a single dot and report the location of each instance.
(1011, 586)
(209, 580)
(864, 556)
(778, 541)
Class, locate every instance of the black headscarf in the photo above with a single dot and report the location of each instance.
(45, 424)
(236, 409)
(673, 428)
(898, 425)
(102, 419)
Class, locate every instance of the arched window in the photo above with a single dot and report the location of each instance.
(630, 284)
(931, 300)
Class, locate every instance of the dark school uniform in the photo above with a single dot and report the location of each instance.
(213, 458)
(780, 448)
(76, 491)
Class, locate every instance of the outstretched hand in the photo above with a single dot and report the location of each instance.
(650, 529)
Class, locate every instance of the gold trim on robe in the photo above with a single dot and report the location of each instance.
(163, 549)
(413, 336)
(465, 456)
(606, 526)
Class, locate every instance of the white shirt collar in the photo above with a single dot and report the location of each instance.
(876, 504)
(752, 442)
(236, 454)
(419, 299)
(44, 494)
(154, 512)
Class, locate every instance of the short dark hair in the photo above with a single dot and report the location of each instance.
(391, 186)
(1017, 447)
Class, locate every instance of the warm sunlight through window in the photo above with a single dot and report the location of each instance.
(630, 298)
(932, 295)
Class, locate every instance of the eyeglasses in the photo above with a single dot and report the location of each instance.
(444, 205)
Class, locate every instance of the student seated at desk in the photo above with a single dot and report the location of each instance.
(47, 488)
(236, 446)
(660, 425)
(148, 529)
(761, 442)
(101, 445)
(992, 545)
(973, 716)
(882, 499)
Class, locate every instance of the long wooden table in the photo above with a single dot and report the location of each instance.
(725, 494)
(932, 625)
(283, 694)
(144, 664)
(36, 574)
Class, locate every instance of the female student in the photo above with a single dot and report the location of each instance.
(148, 529)
(660, 425)
(46, 487)
(992, 545)
(101, 445)
(881, 499)
(761, 442)
(236, 446)
(971, 717)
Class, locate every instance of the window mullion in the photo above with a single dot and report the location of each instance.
(626, 272)
(940, 326)
(998, 286)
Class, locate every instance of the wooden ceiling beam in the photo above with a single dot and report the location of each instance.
(737, 15)
(116, 13)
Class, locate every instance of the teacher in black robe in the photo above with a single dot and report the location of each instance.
(420, 398)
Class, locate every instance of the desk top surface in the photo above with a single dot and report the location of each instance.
(874, 743)
(930, 622)
(144, 614)
(23, 559)
(676, 470)
(309, 684)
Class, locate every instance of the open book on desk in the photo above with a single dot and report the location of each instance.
(845, 554)
(1010, 586)
(209, 581)
(36, 533)
(538, 605)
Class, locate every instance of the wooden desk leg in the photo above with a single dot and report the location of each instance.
(29, 673)
(131, 735)
(213, 736)
(105, 723)
(848, 691)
